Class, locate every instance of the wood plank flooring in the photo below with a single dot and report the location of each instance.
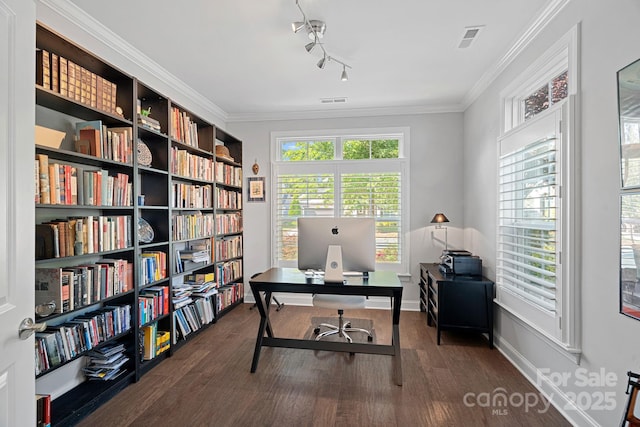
(208, 383)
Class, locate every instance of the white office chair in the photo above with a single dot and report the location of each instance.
(339, 302)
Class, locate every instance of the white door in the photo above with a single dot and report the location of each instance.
(17, 187)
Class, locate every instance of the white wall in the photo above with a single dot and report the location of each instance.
(435, 183)
(610, 40)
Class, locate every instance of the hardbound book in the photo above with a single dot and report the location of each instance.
(43, 68)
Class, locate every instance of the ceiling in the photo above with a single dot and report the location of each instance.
(245, 58)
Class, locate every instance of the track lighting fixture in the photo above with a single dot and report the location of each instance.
(315, 30)
(344, 77)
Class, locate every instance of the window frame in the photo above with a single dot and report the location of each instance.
(399, 164)
(563, 328)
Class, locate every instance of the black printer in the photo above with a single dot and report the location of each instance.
(460, 262)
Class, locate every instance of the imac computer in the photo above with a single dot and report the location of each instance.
(337, 245)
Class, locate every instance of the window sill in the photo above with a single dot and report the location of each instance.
(570, 352)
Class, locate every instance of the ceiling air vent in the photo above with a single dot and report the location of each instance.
(333, 100)
(470, 34)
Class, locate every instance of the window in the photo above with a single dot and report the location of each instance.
(549, 94)
(346, 174)
(536, 260)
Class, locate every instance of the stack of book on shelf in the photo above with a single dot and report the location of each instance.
(149, 122)
(106, 363)
(181, 295)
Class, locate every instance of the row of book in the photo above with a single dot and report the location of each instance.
(228, 174)
(228, 271)
(153, 267)
(153, 302)
(64, 184)
(228, 247)
(70, 288)
(154, 341)
(191, 226)
(106, 363)
(228, 199)
(190, 165)
(82, 235)
(191, 196)
(183, 129)
(194, 316)
(61, 343)
(229, 295)
(43, 410)
(110, 143)
(63, 76)
(229, 223)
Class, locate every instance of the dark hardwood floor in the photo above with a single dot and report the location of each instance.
(208, 383)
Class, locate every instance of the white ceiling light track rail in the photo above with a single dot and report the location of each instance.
(315, 30)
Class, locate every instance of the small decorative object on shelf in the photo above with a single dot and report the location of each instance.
(144, 154)
(222, 151)
(145, 231)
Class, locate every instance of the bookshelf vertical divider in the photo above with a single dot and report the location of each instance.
(132, 259)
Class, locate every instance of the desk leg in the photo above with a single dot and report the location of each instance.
(265, 324)
(395, 338)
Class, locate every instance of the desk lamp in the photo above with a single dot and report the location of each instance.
(438, 219)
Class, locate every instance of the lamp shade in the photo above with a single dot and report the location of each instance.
(439, 218)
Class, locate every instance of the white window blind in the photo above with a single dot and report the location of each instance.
(527, 222)
(299, 195)
(376, 195)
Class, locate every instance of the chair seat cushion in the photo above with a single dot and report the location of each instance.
(339, 301)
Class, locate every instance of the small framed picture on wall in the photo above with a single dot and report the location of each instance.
(256, 188)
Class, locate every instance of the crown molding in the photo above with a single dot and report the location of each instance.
(552, 8)
(122, 48)
(127, 52)
(344, 113)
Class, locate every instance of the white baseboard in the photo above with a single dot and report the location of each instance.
(575, 415)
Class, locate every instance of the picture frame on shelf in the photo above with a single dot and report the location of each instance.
(256, 189)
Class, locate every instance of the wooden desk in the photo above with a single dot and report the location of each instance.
(379, 283)
(456, 302)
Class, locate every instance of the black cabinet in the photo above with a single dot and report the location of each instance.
(456, 302)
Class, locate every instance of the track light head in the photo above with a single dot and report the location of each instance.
(310, 46)
(322, 62)
(344, 77)
(297, 26)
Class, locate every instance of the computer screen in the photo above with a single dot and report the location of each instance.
(355, 236)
